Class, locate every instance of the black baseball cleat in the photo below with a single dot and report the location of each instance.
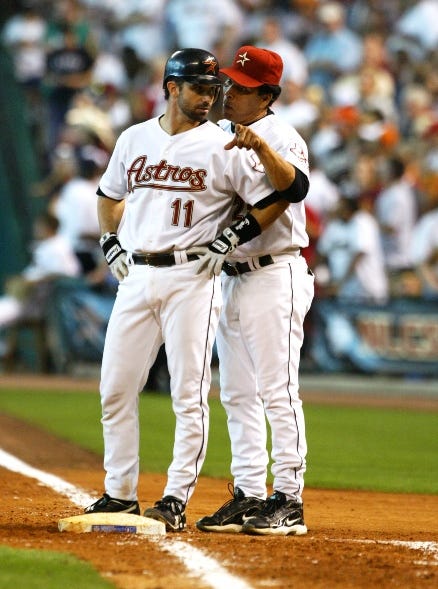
(278, 517)
(170, 511)
(230, 517)
(107, 504)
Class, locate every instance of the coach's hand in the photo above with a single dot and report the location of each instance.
(244, 138)
(115, 255)
(213, 256)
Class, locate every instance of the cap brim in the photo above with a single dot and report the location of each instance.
(240, 78)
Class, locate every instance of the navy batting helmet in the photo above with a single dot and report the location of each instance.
(196, 66)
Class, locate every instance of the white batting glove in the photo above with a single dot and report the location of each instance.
(211, 262)
(119, 268)
(115, 255)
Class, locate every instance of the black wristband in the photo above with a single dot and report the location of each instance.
(247, 228)
(111, 247)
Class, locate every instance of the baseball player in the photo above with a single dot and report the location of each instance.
(267, 291)
(169, 186)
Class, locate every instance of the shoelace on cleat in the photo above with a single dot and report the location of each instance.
(272, 504)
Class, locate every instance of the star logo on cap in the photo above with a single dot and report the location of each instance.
(243, 58)
(211, 64)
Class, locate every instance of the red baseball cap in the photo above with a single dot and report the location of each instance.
(253, 66)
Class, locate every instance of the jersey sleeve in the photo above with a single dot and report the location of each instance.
(113, 182)
(247, 176)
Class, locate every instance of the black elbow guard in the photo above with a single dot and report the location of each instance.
(299, 188)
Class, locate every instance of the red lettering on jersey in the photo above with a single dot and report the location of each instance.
(135, 172)
(163, 175)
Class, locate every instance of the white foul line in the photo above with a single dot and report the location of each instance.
(199, 564)
(430, 547)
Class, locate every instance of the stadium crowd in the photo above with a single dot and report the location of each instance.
(360, 83)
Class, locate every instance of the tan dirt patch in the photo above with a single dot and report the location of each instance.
(344, 547)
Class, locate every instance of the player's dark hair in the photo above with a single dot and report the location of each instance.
(268, 89)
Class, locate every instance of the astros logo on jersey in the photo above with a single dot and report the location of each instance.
(164, 176)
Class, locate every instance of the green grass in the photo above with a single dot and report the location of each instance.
(41, 569)
(349, 447)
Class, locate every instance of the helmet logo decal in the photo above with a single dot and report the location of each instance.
(243, 58)
(211, 64)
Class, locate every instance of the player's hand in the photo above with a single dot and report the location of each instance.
(213, 257)
(119, 268)
(115, 255)
(209, 263)
(244, 137)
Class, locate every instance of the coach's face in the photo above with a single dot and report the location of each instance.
(195, 100)
(244, 105)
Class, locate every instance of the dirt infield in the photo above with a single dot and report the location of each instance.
(355, 540)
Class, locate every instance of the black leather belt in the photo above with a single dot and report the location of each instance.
(242, 267)
(159, 259)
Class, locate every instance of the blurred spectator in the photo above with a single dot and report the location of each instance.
(364, 16)
(334, 49)
(336, 144)
(420, 21)
(396, 212)
(298, 18)
(69, 71)
(424, 243)
(27, 293)
(364, 181)
(70, 14)
(371, 86)
(140, 32)
(295, 107)
(323, 195)
(116, 108)
(204, 24)
(360, 82)
(76, 208)
(294, 62)
(417, 110)
(149, 101)
(350, 247)
(87, 116)
(62, 167)
(24, 35)
(314, 227)
(109, 70)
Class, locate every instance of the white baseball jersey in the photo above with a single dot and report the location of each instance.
(178, 195)
(289, 231)
(259, 340)
(179, 191)
(341, 242)
(396, 207)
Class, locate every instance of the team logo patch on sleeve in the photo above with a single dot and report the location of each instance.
(299, 152)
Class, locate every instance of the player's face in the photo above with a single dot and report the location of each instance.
(243, 105)
(195, 100)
